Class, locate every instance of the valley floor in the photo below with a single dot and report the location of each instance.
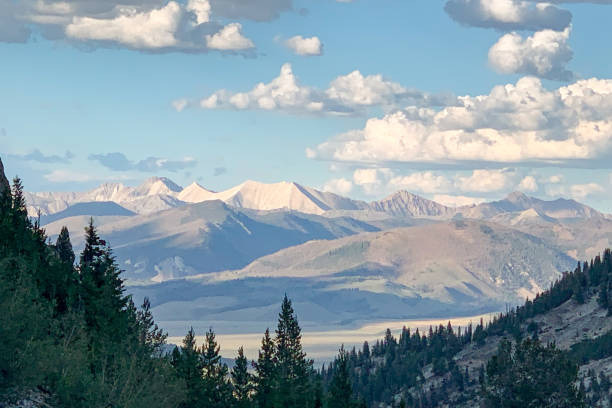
(323, 345)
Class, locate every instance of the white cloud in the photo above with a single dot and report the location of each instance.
(67, 176)
(145, 25)
(528, 183)
(457, 200)
(484, 181)
(372, 181)
(520, 124)
(581, 191)
(339, 186)
(229, 38)
(508, 14)
(201, 9)
(152, 29)
(555, 179)
(305, 46)
(544, 54)
(348, 94)
(424, 182)
(366, 176)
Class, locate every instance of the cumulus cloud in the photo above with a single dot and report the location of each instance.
(119, 162)
(339, 186)
(484, 181)
(529, 184)
(545, 54)
(145, 25)
(305, 46)
(346, 95)
(582, 191)
(457, 200)
(520, 124)
(229, 38)
(424, 182)
(152, 29)
(508, 14)
(37, 156)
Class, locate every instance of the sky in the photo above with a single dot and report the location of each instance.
(459, 101)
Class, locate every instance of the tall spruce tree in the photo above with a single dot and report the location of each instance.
(242, 381)
(340, 389)
(102, 296)
(63, 246)
(294, 372)
(188, 365)
(265, 369)
(217, 391)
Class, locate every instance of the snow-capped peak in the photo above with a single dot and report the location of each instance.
(195, 193)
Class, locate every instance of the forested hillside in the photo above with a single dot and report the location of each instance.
(71, 337)
(529, 356)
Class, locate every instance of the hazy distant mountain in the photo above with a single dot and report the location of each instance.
(91, 209)
(443, 260)
(155, 194)
(560, 208)
(204, 237)
(450, 268)
(284, 195)
(406, 204)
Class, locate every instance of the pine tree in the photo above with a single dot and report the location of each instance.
(188, 365)
(294, 387)
(340, 389)
(150, 336)
(265, 369)
(63, 246)
(242, 381)
(102, 296)
(217, 391)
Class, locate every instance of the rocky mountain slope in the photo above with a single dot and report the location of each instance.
(445, 269)
(204, 237)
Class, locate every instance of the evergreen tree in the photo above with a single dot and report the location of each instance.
(520, 376)
(340, 389)
(188, 365)
(242, 381)
(265, 369)
(63, 246)
(102, 296)
(294, 371)
(217, 391)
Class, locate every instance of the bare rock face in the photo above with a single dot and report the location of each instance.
(4, 184)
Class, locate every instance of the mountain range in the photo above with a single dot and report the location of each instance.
(229, 256)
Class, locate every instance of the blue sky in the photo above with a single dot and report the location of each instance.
(458, 100)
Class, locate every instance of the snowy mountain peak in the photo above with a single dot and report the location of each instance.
(403, 203)
(195, 193)
(158, 185)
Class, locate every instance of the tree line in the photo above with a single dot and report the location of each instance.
(70, 333)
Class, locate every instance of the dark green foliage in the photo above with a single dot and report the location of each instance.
(293, 385)
(217, 390)
(84, 347)
(592, 349)
(63, 246)
(522, 376)
(265, 368)
(188, 364)
(242, 381)
(340, 388)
